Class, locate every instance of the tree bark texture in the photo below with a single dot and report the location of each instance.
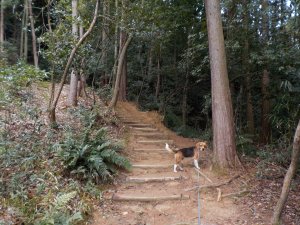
(72, 98)
(249, 109)
(123, 82)
(25, 54)
(265, 107)
(1, 25)
(158, 81)
(288, 178)
(224, 146)
(104, 39)
(34, 48)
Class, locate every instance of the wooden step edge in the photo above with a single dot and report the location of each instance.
(153, 179)
(151, 166)
(155, 141)
(157, 150)
(120, 197)
(144, 128)
(149, 134)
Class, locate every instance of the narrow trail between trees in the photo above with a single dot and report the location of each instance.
(151, 193)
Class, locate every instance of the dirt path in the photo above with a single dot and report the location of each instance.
(146, 137)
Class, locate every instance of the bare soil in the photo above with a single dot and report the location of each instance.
(253, 207)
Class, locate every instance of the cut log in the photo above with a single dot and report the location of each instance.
(117, 197)
(152, 179)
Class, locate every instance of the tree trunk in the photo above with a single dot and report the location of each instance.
(123, 82)
(158, 81)
(72, 98)
(265, 108)
(52, 109)
(25, 54)
(184, 101)
(34, 49)
(123, 79)
(116, 46)
(288, 178)
(1, 25)
(82, 80)
(265, 125)
(249, 107)
(104, 39)
(119, 73)
(185, 88)
(224, 147)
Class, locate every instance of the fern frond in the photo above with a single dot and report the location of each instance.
(62, 200)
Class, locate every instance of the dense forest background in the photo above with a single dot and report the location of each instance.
(167, 62)
(165, 65)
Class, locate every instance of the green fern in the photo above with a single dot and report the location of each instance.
(93, 155)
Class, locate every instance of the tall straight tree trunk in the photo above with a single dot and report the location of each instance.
(1, 25)
(288, 178)
(25, 54)
(72, 99)
(104, 39)
(265, 107)
(34, 48)
(249, 109)
(116, 44)
(185, 88)
(224, 146)
(158, 81)
(184, 100)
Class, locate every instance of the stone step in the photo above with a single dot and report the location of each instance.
(148, 198)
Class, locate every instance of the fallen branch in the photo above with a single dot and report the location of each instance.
(203, 175)
(235, 193)
(213, 185)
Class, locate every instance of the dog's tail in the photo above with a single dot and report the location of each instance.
(169, 149)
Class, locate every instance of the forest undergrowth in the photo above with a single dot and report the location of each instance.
(53, 176)
(56, 176)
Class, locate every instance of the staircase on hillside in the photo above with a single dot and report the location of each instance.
(152, 166)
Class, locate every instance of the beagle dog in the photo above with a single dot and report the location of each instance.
(187, 152)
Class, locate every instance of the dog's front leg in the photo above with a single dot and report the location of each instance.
(175, 168)
(196, 164)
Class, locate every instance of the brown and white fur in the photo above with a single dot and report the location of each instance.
(187, 152)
